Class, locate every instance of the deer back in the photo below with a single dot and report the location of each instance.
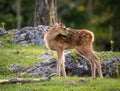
(76, 38)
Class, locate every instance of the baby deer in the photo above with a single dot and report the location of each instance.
(58, 39)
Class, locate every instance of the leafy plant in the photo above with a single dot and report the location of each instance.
(112, 45)
(3, 24)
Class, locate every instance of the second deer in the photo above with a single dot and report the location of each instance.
(58, 39)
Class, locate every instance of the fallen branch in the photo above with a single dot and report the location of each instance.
(26, 80)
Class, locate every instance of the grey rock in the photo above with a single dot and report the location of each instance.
(74, 66)
(45, 68)
(2, 31)
(78, 67)
(33, 35)
(45, 55)
(13, 31)
(15, 67)
(109, 67)
(19, 38)
(43, 29)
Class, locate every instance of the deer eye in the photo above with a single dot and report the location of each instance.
(64, 28)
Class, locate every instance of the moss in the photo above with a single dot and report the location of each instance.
(74, 55)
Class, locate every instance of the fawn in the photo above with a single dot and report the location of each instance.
(58, 39)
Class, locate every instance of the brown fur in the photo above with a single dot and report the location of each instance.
(60, 39)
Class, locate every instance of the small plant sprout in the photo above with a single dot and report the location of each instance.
(51, 18)
(3, 24)
(50, 13)
(111, 44)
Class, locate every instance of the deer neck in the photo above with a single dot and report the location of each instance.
(51, 34)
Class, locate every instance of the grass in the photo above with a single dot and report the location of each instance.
(68, 84)
(12, 53)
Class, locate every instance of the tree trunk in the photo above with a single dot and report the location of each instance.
(45, 12)
(89, 7)
(18, 4)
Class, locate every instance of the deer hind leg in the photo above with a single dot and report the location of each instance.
(98, 65)
(60, 63)
(94, 61)
(93, 69)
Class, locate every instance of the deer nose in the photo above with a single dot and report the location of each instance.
(68, 29)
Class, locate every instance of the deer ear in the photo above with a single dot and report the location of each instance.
(59, 24)
(58, 21)
(56, 24)
(62, 25)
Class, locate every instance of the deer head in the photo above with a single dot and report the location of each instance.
(61, 29)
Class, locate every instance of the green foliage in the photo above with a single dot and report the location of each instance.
(3, 24)
(106, 55)
(112, 44)
(8, 13)
(75, 14)
(74, 55)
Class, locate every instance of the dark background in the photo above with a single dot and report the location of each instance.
(100, 16)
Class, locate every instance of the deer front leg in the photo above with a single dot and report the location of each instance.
(63, 66)
(59, 61)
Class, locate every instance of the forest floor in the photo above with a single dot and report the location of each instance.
(12, 53)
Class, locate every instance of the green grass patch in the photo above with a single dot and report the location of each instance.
(12, 53)
(66, 84)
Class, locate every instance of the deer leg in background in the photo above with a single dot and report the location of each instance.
(98, 65)
(92, 65)
(93, 69)
(95, 62)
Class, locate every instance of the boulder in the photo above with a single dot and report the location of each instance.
(74, 66)
(110, 68)
(33, 35)
(45, 68)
